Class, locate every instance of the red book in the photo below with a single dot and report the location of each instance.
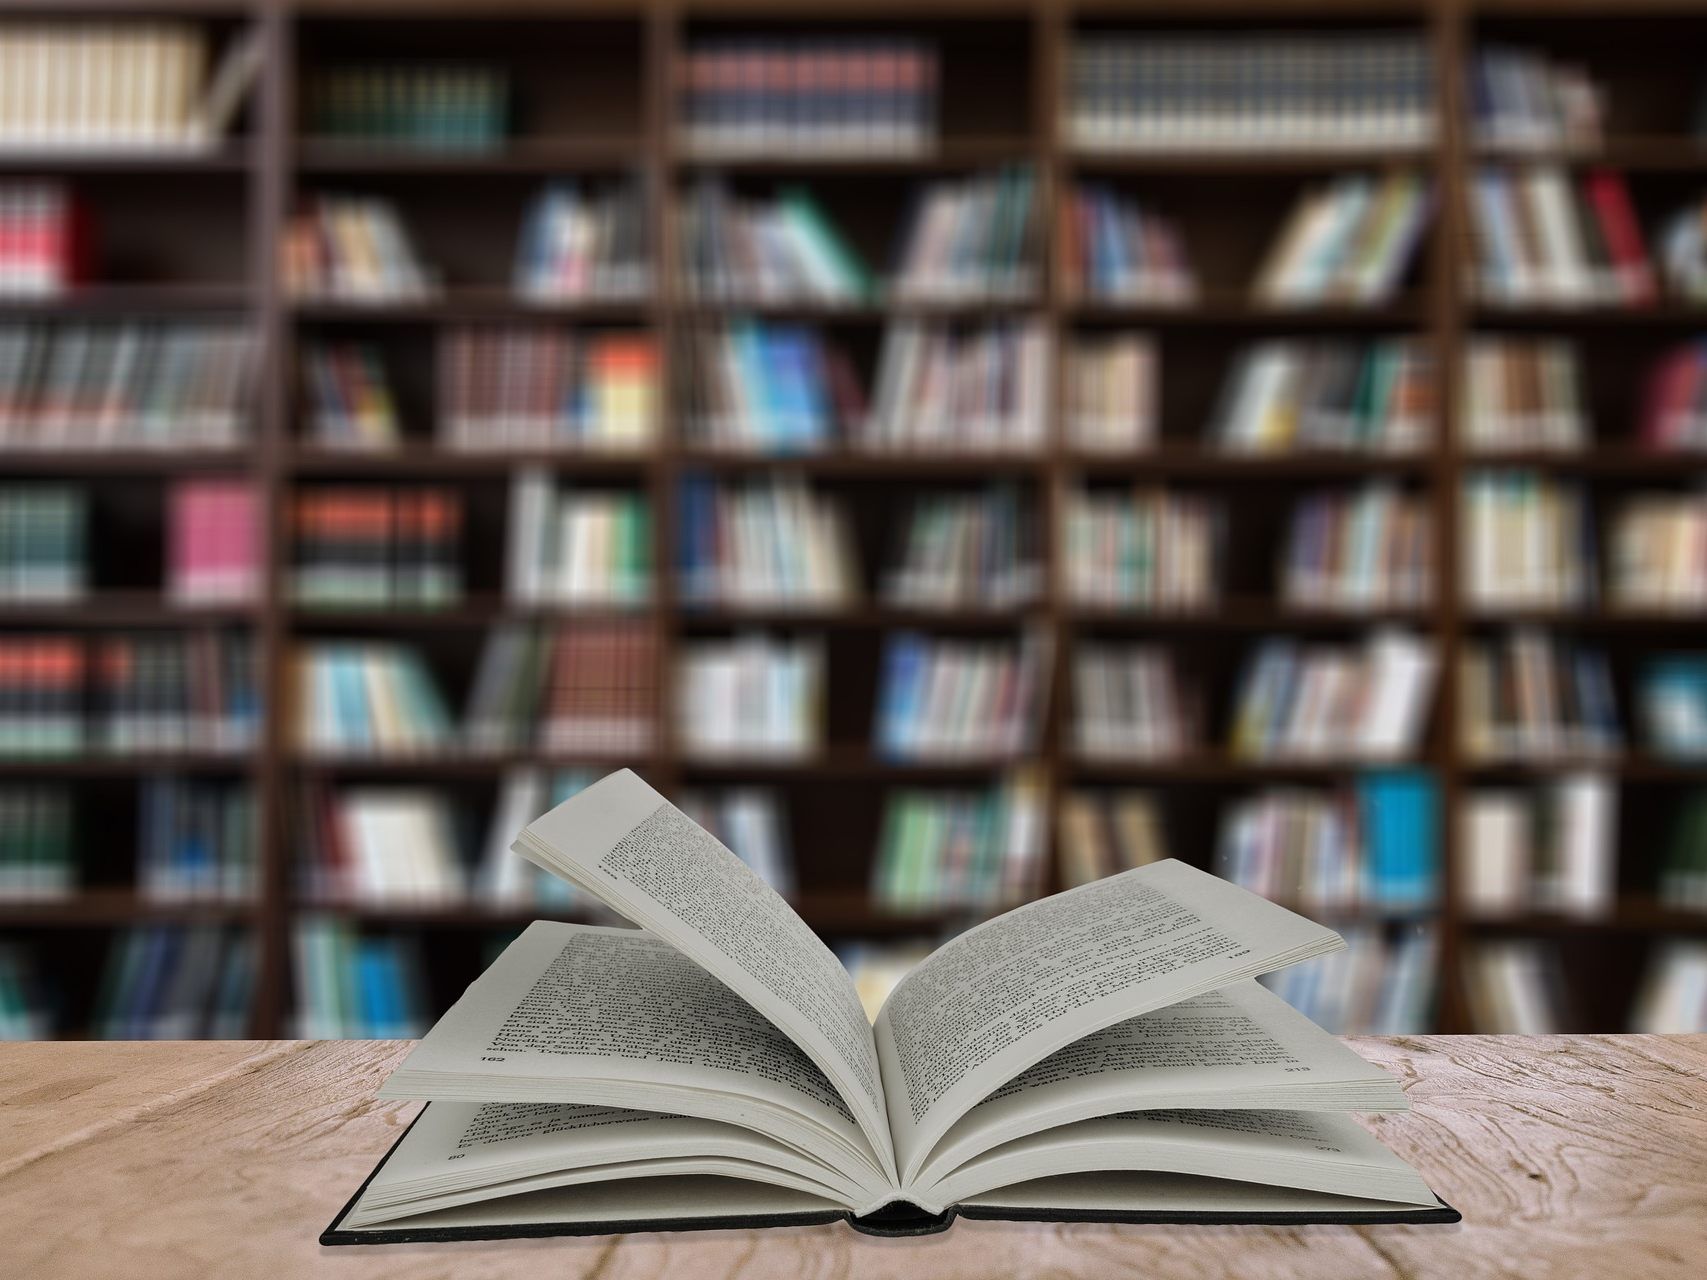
(1622, 234)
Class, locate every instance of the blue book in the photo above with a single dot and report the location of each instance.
(904, 664)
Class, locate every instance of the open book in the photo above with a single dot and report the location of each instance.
(1104, 1053)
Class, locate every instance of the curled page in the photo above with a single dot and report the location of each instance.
(635, 851)
(1008, 993)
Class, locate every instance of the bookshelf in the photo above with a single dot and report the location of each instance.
(192, 236)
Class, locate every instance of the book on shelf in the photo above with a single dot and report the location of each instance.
(42, 680)
(1365, 701)
(176, 982)
(601, 693)
(576, 546)
(779, 389)
(360, 698)
(1673, 996)
(1113, 249)
(38, 853)
(511, 388)
(44, 540)
(1359, 549)
(752, 823)
(502, 708)
(724, 985)
(1523, 393)
(1132, 702)
(1674, 403)
(817, 95)
(154, 691)
(1102, 833)
(1682, 880)
(1516, 988)
(782, 249)
(1548, 847)
(84, 387)
(121, 86)
(23, 1013)
(505, 882)
(971, 390)
(1528, 542)
(215, 553)
(946, 699)
(376, 547)
(351, 986)
(1372, 843)
(579, 246)
(750, 695)
(1542, 235)
(1529, 695)
(1111, 388)
(1526, 100)
(1193, 91)
(1382, 984)
(1659, 551)
(965, 850)
(441, 105)
(1351, 241)
(966, 550)
(972, 239)
(385, 846)
(1671, 699)
(347, 397)
(763, 543)
(357, 249)
(197, 841)
(1149, 548)
(1286, 395)
(1683, 253)
(46, 248)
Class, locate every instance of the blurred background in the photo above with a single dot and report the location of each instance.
(956, 451)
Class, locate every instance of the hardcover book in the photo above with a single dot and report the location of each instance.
(1103, 1054)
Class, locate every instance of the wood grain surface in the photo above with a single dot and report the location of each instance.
(1568, 1156)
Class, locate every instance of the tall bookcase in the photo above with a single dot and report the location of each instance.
(599, 77)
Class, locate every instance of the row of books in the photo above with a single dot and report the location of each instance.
(1547, 848)
(23, 1014)
(751, 695)
(786, 249)
(1350, 241)
(44, 239)
(375, 547)
(352, 249)
(43, 543)
(948, 699)
(837, 95)
(62, 695)
(442, 105)
(1542, 235)
(960, 849)
(1130, 702)
(172, 982)
(1529, 100)
(1372, 548)
(570, 546)
(1671, 702)
(1527, 542)
(1284, 395)
(511, 388)
(1522, 987)
(1115, 250)
(966, 550)
(1658, 551)
(1111, 393)
(1168, 92)
(578, 245)
(198, 841)
(767, 388)
(119, 85)
(125, 386)
(1683, 253)
(37, 854)
(1152, 548)
(1382, 984)
(352, 986)
(764, 542)
(1373, 843)
(1102, 833)
(1531, 695)
(1683, 866)
(1522, 393)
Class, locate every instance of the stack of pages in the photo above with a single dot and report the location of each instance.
(1101, 1054)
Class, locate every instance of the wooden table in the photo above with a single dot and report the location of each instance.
(1568, 1155)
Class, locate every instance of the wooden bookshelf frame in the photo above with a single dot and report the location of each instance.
(274, 164)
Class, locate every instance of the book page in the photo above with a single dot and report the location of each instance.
(1238, 1048)
(462, 1153)
(1008, 993)
(635, 851)
(583, 1014)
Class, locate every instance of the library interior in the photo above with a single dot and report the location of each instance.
(956, 450)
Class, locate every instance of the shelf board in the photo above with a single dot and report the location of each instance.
(1631, 915)
(1590, 618)
(1238, 311)
(121, 300)
(105, 765)
(526, 157)
(471, 303)
(1629, 153)
(454, 765)
(1625, 767)
(877, 311)
(1666, 314)
(1210, 462)
(122, 461)
(946, 154)
(1243, 615)
(868, 465)
(417, 459)
(852, 764)
(856, 617)
(233, 157)
(473, 611)
(1625, 460)
(107, 907)
(1215, 769)
(1235, 163)
(123, 609)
